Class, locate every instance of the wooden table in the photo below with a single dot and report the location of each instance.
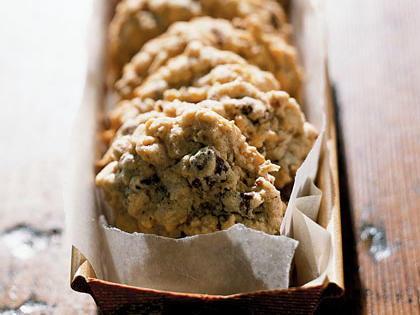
(41, 80)
(374, 49)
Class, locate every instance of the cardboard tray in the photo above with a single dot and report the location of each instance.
(117, 298)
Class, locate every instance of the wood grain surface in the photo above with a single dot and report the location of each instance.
(374, 49)
(374, 58)
(41, 80)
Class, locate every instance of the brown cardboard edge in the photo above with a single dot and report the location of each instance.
(114, 298)
(84, 277)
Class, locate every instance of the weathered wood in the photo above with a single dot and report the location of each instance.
(41, 81)
(374, 50)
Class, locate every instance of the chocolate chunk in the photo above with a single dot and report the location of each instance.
(210, 181)
(274, 21)
(151, 180)
(202, 158)
(196, 183)
(246, 110)
(221, 165)
(206, 206)
(246, 200)
(163, 191)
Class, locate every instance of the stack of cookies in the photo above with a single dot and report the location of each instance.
(207, 132)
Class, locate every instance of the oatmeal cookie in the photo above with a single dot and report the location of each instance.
(190, 174)
(272, 121)
(137, 21)
(183, 70)
(132, 121)
(264, 81)
(268, 52)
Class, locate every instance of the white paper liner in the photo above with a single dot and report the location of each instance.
(236, 260)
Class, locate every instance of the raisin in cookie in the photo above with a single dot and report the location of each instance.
(137, 21)
(268, 52)
(190, 174)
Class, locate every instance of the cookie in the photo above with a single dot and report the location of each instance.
(183, 70)
(137, 21)
(190, 174)
(262, 80)
(272, 121)
(220, 74)
(268, 52)
(132, 120)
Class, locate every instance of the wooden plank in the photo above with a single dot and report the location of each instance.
(41, 81)
(374, 51)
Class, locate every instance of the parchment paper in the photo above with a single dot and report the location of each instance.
(236, 260)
